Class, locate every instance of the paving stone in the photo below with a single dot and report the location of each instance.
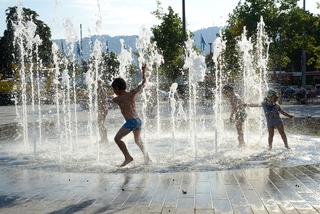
(258, 191)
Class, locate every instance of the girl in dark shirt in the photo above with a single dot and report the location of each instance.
(272, 112)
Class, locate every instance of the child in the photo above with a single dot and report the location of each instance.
(271, 111)
(126, 102)
(238, 112)
(102, 111)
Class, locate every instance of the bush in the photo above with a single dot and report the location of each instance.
(6, 86)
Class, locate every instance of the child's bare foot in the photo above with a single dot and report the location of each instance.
(287, 147)
(147, 159)
(126, 161)
(270, 148)
(103, 142)
(241, 145)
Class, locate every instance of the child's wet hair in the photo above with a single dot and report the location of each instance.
(100, 82)
(227, 88)
(119, 84)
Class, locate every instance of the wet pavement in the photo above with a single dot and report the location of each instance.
(259, 190)
(254, 190)
(8, 113)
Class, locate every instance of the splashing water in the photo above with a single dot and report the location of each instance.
(253, 61)
(219, 49)
(173, 104)
(125, 60)
(175, 143)
(149, 55)
(71, 40)
(196, 66)
(25, 33)
(18, 39)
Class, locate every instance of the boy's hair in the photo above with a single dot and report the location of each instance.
(100, 82)
(227, 88)
(119, 84)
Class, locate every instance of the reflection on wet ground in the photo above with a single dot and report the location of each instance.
(259, 190)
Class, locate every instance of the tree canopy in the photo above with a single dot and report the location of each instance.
(7, 48)
(289, 27)
(170, 39)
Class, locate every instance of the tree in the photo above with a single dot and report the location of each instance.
(110, 66)
(300, 30)
(170, 40)
(248, 14)
(8, 50)
(290, 29)
(209, 79)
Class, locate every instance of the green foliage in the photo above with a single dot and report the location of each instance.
(231, 55)
(109, 65)
(7, 49)
(170, 40)
(289, 27)
(6, 86)
(298, 31)
(209, 79)
(159, 12)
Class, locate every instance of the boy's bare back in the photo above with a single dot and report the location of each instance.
(126, 100)
(127, 104)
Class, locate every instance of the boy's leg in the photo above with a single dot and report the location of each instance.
(283, 135)
(239, 126)
(270, 138)
(118, 139)
(138, 141)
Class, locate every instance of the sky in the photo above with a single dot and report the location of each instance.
(124, 17)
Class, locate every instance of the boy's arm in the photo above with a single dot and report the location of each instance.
(232, 114)
(142, 84)
(252, 105)
(112, 99)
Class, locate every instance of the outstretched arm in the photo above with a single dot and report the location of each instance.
(232, 114)
(142, 84)
(112, 99)
(285, 113)
(252, 105)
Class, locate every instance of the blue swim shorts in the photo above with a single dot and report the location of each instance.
(133, 124)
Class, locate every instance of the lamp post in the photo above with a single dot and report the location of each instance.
(210, 45)
(81, 37)
(303, 58)
(184, 18)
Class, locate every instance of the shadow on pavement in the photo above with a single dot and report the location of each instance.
(74, 208)
(7, 201)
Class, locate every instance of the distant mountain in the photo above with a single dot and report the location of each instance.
(113, 42)
(110, 42)
(209, 36)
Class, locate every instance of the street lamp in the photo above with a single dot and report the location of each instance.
(184, 19)
(303, 58)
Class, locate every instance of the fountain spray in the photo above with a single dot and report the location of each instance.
(195, 64)
(219, 49)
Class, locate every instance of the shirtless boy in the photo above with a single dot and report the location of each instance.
(126, 102)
